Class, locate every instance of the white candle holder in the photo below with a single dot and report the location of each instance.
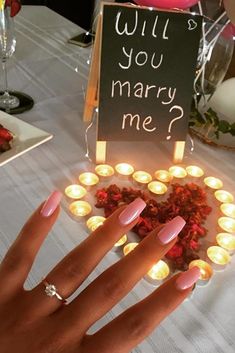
(124, 170)
(228, 209)
(129, 247)
(141, 178)
(104, 171)
(95, 222)
(158, 273)
(213, 183)
(80, 209)
(227, 242)
(205, 269)
(88, 179)
(218, 257)
(75, 192)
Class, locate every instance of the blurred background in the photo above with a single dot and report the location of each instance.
(84, 12)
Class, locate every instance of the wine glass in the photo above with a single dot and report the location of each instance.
(7, 48)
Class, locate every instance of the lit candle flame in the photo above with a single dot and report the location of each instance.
(159, 271)
(88, 179)
(218, 255)
(194, 171)
(121, 241)
(129, 247)
(156, 187)
(142, 177)
(80, 208)
(163, 175)
(178, 172)
(124, 169)
(75, 191)
(104, 170)
(224, 196)
(213, 183)
(205, 269)
(227, 224)
(95, 222)
(228, 209)
(226, 241)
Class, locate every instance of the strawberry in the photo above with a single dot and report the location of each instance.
(4, 145)
(15, 6)
(5, 134)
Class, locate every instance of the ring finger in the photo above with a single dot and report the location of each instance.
(68, 275)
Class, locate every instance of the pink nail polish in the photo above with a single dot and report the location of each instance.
(188, 279)
(171, 230)
(51, 204)
(132, 211)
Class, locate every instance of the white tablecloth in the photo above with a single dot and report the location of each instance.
(54, 73)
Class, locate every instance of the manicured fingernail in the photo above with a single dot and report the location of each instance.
(132, 211)
(188, 279)
(51, 204)
(171, 230)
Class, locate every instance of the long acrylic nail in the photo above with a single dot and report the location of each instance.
(171, 230)
(51, 204)
(188, 279)
(132, 211)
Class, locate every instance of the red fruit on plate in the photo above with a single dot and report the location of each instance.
(5, 134)
(15, 6)
(4, 145)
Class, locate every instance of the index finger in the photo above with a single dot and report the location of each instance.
(17, 263)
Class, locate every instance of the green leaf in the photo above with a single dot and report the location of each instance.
(232, 131)
(224, 126)
(191, 123)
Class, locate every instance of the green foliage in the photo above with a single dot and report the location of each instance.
(210, 119)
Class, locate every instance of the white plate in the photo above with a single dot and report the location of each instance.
(26, 137)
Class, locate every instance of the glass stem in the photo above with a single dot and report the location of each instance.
(4, 68)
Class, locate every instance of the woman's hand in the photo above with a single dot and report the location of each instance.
(33, 321)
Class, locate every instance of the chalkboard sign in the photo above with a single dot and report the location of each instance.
(148, 63)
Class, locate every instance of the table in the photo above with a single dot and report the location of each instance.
(55, 74)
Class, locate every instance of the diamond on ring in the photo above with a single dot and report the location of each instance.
(51, 291)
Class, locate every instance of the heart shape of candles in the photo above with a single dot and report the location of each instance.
(153, 187)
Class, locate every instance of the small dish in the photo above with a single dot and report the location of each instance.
(26, 137)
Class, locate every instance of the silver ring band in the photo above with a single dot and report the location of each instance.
(51, 291)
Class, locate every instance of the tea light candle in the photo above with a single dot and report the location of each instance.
(218, 256)
(158, 273)
(142, 177)
(156, 187)
(80, 208)
(124, 169)
(129, 247)
(205, 269)
(227, 224)
(213, 183)
(94, 222)
(88, 179)
(75, 191)
(178, 172)
(121, 242)
(224, 196)
(228, 209)
(104, 170)
(163, 175)
(194, 171)
(226, 241)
